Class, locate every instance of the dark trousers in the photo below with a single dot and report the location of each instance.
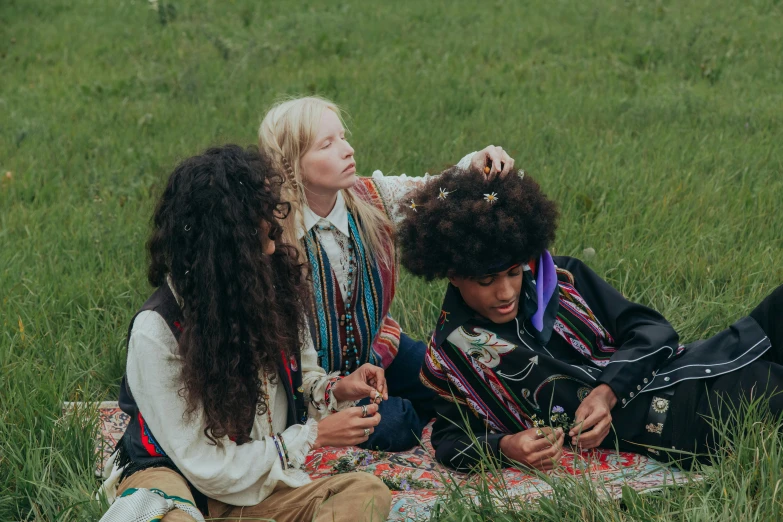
(699, 404)
(410, 404)
(769, 315)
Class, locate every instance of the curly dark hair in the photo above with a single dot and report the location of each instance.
(242, 310)
(463, 234)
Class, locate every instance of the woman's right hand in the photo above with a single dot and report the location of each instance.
(527, 448)
(347, 427)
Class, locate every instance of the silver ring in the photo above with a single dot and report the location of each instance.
(366, 432)
(364, 410)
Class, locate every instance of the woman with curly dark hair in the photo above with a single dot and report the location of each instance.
(526, 340)
(221, 373)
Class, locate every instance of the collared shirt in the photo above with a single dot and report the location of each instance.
(334, 242)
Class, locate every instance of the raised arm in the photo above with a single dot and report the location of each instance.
(393, 189)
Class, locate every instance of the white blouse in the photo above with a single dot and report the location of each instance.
(239, 475)
(392, 190)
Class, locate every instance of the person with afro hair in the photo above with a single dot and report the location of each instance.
(531, 350)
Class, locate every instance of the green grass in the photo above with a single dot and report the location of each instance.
(656, 125)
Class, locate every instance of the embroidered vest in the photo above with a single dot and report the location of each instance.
(376, 334)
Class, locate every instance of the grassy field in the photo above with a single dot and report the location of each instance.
(657, 125)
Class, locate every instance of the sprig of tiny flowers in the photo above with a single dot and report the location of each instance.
(406, 483)
(350, 462)
(558, 419)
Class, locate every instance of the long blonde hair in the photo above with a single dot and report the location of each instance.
(286, 134)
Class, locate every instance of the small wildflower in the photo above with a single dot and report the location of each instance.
(413, 206)
(491, 198)
(558, 409)
(443, 193)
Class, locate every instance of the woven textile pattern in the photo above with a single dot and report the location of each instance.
(609, 470)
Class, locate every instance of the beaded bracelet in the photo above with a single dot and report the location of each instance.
(328, 393)
(285, 451)
(283, 461)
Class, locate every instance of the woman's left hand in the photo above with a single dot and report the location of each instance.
(367, 381)
(496, 158)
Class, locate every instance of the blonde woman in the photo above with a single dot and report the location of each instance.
(342, 226)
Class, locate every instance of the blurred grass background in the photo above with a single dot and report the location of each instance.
(655, 124)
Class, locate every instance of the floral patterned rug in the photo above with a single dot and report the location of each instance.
(416, 479)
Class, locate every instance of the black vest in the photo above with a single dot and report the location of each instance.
(138, 449)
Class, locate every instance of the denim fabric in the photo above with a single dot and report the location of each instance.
(410, 404)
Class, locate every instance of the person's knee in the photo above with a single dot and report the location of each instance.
(400, 428)
(355, 496)
(397, 437)
(372, 498)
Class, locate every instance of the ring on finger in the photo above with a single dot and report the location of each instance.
(364, 410)
(366, 432)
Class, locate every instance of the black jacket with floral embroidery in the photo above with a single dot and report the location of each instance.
(497, 376)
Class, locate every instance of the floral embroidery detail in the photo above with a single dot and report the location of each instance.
(655, 428)
(443, 319)
(583, 392)
(482, 345)
(491, 198)
(660, 405)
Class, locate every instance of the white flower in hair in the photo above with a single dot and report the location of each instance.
(413, 206)
(491, 198)
(443, 193)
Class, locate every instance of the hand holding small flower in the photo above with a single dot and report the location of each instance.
(496, 159)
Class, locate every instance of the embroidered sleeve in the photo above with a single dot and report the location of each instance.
(435, 375)
(318, 386)
(393, 189)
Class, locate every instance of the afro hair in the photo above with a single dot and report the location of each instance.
(460, 224)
